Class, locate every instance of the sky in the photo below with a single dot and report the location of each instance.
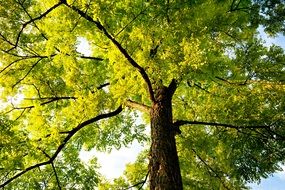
(277, 181)
(117, 159)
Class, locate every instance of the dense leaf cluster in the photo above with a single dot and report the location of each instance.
(57, 100)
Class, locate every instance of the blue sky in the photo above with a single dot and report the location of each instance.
(277, 181)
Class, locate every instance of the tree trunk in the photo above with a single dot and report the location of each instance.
(164, 165)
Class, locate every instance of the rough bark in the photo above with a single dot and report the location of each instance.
(164, 165)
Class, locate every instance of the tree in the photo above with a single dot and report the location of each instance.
(212, 92)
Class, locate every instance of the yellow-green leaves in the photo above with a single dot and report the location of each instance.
(225, 74)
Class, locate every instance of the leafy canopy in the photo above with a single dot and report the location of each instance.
(55, 100)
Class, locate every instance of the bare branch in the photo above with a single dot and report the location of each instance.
(136, 105)
(119, 46)
(63, 143)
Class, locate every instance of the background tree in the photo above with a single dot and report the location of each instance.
(212, 92)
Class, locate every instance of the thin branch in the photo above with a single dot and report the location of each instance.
(33, 20)
(13, 62)
(92, 58)
(6, 40)
(85, 123)
(211, 169)
(139, 183)
(56, 176)
(77, 22)
(145, 179)
(22, 5)
(119, 46)
(63, 143)
(179, 123)
(235, 7)
(140, 13)
(58, 98)
(52, 98)
(103, 85)
(232, 83)
(33, 66)
(22, 113)
(136, 105)
(19, 108)
(198, 86)
(49, 100)
(83, 57)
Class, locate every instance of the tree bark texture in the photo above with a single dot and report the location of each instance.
(164, 165)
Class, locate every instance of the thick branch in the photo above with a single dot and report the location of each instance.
(172, 87)
(64, 142)
(119, 46)
(136, 105)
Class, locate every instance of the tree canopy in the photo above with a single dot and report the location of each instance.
(228, 104)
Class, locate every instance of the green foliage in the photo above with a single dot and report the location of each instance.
(225, 74)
